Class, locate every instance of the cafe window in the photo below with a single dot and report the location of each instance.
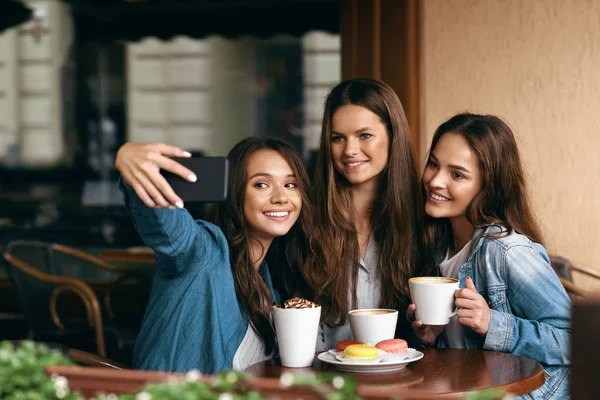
(207, 94)
(81, 79)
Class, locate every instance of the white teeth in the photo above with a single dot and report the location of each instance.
(439, 198)
(277, 214)
(354, 164)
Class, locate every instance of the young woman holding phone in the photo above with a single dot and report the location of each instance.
(210, 306)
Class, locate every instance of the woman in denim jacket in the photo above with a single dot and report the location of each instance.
(215, 283)
(480, 222)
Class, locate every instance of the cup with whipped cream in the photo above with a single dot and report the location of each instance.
(297, 326)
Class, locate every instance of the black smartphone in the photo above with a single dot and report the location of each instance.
(211, 185)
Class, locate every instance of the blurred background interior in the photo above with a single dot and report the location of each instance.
(78, 78)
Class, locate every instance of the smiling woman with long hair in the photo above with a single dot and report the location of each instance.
(480, 221)
(212, 293)
(366, 243)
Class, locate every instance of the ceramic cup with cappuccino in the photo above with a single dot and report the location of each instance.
(434, 298)
(297, 327)
(373, 325)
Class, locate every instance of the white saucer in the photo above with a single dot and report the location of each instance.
(388, 363)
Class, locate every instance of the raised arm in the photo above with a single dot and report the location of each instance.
(157, 212)
(540, 327)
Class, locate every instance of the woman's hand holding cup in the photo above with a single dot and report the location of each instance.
(474, 311)
(427, 334)
(433, 305)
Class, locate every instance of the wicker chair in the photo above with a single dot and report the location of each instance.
(564, 269)
(40, 273)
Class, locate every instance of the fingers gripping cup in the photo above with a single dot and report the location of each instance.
(434, 298)
(297, 326)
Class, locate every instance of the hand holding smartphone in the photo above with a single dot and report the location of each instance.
(211, 185)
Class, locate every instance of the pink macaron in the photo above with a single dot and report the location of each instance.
(393, 346)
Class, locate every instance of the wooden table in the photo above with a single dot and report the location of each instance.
(128, 256)
(445, 373)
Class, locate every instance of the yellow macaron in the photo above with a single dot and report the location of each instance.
(361, 351)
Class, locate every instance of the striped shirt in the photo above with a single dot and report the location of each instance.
(251, 351)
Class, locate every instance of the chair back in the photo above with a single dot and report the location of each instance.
(37, 277)
(34, 294)
(562, 267)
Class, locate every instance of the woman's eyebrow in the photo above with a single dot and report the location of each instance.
(458, 167)
(267, 175)
(361, 130)
(260, 174)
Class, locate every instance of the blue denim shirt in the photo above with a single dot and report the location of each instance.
(193, 319)
(530, 309)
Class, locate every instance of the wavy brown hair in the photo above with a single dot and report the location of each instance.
(285, 254)
(396, 215)
(503, 199)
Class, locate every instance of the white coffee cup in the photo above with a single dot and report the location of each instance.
(373, 325)
(297, 330)
(434, 298)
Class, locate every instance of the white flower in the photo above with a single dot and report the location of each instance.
(61, 393)
(226, 396)
(193, 375)
(231, 377)
(338, 382)
(60, 382)
(287, 379)
(143, 396)
(61, 386)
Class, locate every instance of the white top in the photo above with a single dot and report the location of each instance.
(251, 351)
(454, 334)
(368, 295)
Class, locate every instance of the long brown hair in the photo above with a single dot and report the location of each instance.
(285, 254)
(396, 215)
(503, 199)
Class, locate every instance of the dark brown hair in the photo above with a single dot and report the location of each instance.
(396, 215)
(285, 254)
(503, 199)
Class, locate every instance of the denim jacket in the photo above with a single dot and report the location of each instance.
(530, 309)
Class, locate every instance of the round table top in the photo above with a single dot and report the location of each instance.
(445, 372)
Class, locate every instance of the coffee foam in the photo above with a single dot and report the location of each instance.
(298, 303)
(434, 279)
(371, 312)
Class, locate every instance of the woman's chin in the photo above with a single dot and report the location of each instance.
(434, 212)
(277, 232)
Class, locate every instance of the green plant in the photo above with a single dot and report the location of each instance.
(22, 375)
(488, 394)
(231, 385)
(329, 386)
(227, 385)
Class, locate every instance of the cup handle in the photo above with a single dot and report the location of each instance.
(454, 312)
(455, 307)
